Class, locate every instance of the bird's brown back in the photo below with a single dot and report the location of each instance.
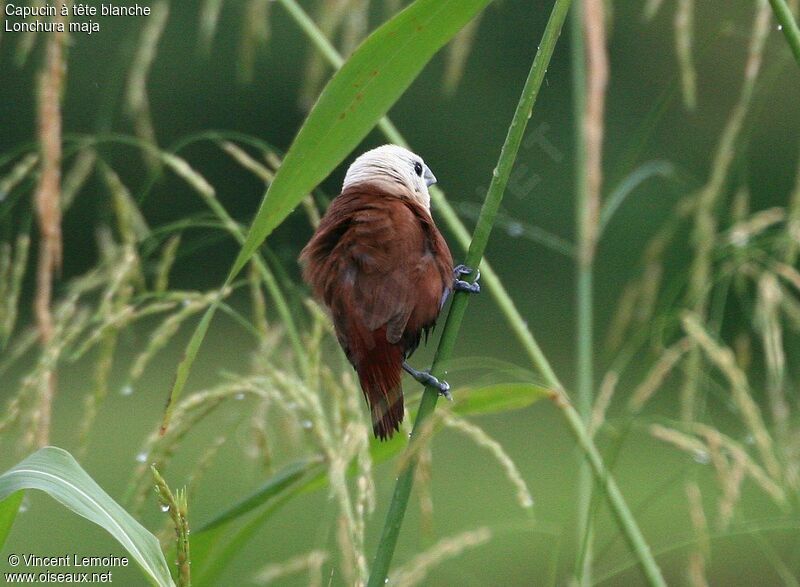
(381, 266)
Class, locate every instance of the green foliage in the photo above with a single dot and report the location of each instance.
(496, 398)
(8, 513)
(57, 473)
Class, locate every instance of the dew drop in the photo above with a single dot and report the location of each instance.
(515, 229)
(239, 396)
(702, 457)
(126, 390)
(780, 27)
(164, 507)
(527, 502)
(307, 424)
(749, 439)
(141, 457)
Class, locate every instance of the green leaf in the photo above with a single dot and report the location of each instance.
(8, 513)
(358, 95)
(501, 397)
(628, 185)
(57, 473)
(285, 478)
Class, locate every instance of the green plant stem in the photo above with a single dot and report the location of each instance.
(788, 26)
(402, 492)
(518, 326)
(583, 295)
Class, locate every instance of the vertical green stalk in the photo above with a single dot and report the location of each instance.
(508, 154)
(788, 25)
(583, 295)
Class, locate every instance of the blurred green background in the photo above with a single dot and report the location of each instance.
(459, 134)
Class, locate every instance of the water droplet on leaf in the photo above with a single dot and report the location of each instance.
(515, 229)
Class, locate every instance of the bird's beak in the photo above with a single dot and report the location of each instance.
(430, 178)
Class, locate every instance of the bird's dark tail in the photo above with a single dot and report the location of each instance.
(379, 371)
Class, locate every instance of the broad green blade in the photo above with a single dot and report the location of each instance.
(501, 397)
(8, 513)
(57, 473)
(355, 99)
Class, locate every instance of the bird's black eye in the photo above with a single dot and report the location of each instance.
(418, 168)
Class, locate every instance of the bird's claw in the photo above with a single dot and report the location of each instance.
(425, 378)
(465, 286)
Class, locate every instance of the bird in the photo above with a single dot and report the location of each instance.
(383, 270)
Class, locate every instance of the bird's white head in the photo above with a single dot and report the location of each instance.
(394, 166)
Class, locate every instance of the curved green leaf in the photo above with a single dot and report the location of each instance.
(57, 473)
(283, 479)
(501, 397)
(357, 96)
(8, 513)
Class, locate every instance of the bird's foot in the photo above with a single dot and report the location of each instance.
(427, 379)
(465, 286)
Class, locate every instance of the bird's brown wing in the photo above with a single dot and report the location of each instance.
(375, 264)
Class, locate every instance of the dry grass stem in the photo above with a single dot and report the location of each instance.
(76, 177)
(48, 208)
(18, 174)
(724, 360)
(168, 255)
(457, 53)
(11, 278)
(207, 26)
(479, 437)
(651, 8)
(136, 101)
(415, 571)
(607, 388)
(699, 555)
(705, 228)
(255, 35)
(684, 40)
(245, 160)
(744, 231)
(594, 20)
(658, 374)
(311, 562)
(769, 323)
